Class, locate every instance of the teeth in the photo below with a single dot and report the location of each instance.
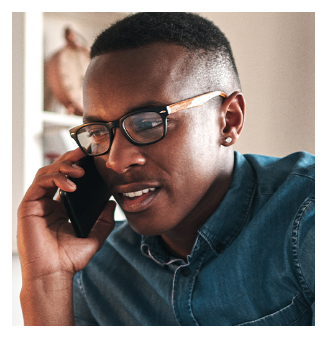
(138, 193)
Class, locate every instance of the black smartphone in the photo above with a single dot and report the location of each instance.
(85, 204)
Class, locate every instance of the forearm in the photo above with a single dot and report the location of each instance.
(48, 301)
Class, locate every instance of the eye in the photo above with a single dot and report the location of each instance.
(144, 127)
(146, 124)
(98, 134)
(143, 122)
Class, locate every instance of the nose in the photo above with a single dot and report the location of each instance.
(123, 154)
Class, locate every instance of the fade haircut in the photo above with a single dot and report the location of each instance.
(203, 40)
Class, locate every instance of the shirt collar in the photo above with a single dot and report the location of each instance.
(228, 220)
(152, 247)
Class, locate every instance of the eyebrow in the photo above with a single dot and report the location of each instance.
(147, 104)
(92, 119)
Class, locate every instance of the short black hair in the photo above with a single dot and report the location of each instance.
(200, 36)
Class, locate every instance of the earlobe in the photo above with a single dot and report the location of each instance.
(233, 114)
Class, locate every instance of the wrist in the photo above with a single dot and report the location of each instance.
(48, 300)
(54, 282)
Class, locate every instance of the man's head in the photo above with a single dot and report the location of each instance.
(186, 174)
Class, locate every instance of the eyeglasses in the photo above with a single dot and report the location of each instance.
(141, 127)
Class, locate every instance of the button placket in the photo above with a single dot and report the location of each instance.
(183, 285)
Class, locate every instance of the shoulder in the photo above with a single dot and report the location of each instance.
(299, 163)
(296, 170)
(286, 189)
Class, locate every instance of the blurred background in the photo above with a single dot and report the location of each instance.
(274, 54)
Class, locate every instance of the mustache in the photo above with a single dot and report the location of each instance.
(114, 179)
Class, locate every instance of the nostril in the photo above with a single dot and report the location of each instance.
(133, 165)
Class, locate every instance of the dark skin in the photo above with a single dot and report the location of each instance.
(191, 169)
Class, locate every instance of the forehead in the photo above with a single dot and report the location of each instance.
(118, 82)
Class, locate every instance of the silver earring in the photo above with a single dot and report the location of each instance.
(228, 139)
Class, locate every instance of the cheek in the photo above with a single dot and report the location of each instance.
(195, 146)
(189, 154)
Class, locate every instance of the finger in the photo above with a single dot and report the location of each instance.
(46, 181)
(64, 163)
(69, 158)
(72, 156)
(47, 185)
(105, 224)
(65, 167)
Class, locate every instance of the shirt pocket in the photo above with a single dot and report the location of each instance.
(297, 313)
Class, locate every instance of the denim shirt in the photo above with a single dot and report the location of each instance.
(252, 262)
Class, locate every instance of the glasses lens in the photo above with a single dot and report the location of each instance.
(94, 138)
(144, 127)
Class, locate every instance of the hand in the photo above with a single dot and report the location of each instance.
(47, 243)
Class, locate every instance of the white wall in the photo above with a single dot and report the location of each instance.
(17, 117)
(275, 56)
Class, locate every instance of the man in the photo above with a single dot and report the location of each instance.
(212, 237)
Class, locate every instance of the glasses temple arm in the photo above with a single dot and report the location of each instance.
(195, 101)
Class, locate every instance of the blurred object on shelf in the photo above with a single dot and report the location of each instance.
(64, 72)
(56, 142)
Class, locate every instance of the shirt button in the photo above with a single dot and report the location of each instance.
(186, 271)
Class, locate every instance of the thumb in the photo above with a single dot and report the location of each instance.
(105, 224)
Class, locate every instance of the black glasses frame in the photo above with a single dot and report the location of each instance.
(162, 111)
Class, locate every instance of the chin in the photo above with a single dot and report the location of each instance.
(146, 226)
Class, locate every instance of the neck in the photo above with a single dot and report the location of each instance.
(180, 240)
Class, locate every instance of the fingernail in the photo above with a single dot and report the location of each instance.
(76, 166)
(72, 184)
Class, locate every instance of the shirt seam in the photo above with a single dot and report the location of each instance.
(302, 175)
(274, 313)
(295, 241)
(149, 255)
(80, 283)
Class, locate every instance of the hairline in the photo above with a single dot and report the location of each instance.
(203, 60)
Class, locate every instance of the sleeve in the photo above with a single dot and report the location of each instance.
(304, 250)
(82, 313)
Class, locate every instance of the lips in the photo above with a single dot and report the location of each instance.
(136, 197)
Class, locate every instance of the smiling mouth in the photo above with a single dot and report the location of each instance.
(138, 200)
(138, 193)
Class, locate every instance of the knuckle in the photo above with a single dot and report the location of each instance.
(41, 171)
(66, 163)
(65, 156)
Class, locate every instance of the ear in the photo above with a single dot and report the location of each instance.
(232, 117)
